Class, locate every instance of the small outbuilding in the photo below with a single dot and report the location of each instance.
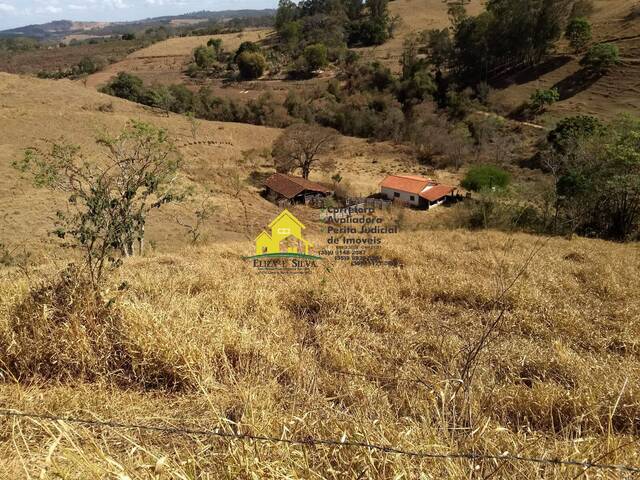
(280, 186)
(416, 191)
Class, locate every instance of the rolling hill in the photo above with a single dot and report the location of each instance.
(33, 109)
(60, 29)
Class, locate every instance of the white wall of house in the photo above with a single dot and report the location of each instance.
(402, 196)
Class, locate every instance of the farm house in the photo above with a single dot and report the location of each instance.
(280, 186)
(416, 191)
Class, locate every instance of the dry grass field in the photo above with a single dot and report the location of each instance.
(367, 354)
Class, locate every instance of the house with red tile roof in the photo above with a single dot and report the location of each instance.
(415, 190)
(280, 186)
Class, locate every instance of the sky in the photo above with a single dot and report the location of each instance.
(18, 13)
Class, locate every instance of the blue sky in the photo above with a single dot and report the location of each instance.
(17, 13)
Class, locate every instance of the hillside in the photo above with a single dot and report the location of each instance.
(61, 29)
(165, 62)
(617, 92)
(613, 21)
(414, 17)
(614, 93)
(33, 109)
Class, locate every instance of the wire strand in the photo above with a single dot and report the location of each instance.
(389, 449)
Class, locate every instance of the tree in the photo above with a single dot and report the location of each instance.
(300, 146)
(485, 177)
(251, 65)
(160, 96)
(578, 33)
(126, 86)
(216, 44)
(598, 181)
(286, 14)
(510, 33)
(194, 124)
(109, 200)
(182, 98)
(315, 56)
(194, 227)
(571, 130)
(439, 48)
(601, 57)
(205, 57)
(542, 98)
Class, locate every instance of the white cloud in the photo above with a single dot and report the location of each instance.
(6, 8)
(48, 9)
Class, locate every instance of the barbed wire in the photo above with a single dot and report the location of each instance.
(314, 442)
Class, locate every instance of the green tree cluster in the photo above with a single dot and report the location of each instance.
(597, 172)
(485, 177)
(578, 33)
(334, 23)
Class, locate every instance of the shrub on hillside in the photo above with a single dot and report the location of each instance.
(251, 65)
(126, 86)
(216, 44)
(571, 130)
(204, 57)
(315, 56)
(542, 98)
(485, 177)
(601, 57)
(248, 47)
(578, 33)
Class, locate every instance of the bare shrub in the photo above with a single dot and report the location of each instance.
(108, 199)
(64, 330)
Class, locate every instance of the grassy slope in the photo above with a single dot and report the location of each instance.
(165, 61)
(267, 355)
(32, 109)
(614, 93)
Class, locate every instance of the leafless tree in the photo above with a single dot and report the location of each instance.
(300, 147)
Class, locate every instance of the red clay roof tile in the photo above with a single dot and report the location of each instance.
(289, 186)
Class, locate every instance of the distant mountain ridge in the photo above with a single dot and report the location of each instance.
(61, 28)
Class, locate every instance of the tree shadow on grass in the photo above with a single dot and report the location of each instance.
(531, 73)
(576, 82)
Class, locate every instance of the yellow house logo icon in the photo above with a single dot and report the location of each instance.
(285, 248)
(286, 237)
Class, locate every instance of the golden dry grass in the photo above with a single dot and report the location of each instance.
(267, 355)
